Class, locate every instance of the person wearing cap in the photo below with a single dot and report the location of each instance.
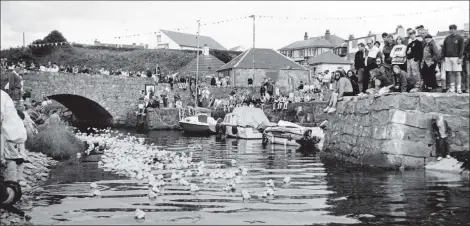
(452, 53)
(428, 65)
(414, 55)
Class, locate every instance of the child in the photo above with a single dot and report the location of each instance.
(441, 131)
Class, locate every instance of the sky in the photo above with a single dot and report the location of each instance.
(84, 21)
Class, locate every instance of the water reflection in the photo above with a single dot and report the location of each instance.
(319, 193)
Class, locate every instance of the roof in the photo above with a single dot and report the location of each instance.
(318, 42)
(264, 59)
(236, 48)
(328, 58)
(185, 39)
(447, 33)
(207, 65)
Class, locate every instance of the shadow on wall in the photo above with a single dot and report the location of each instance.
(86, 111)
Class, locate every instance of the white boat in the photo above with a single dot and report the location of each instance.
(245, 122)
(291, 134)
(198, 123)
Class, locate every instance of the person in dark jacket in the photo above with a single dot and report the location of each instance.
(452, 53)
(400, 80)
(441, 132)
(414, 55)
(387, 49)
(359, 64)
(466, 60)
(428, 65)
(213, 81)
(14, 83)
(354, 82)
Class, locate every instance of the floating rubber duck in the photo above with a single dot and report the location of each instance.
(139, 214)
(286, 180)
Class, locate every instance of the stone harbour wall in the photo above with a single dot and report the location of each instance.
(35, 173)
(394, 130)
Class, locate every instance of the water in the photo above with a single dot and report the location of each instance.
(317, 194)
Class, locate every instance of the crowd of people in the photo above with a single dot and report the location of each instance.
(416, 67)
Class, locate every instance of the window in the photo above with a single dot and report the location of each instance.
(159, 39)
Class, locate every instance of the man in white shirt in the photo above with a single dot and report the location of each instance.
(371, 53)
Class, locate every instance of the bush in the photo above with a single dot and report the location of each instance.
(56, 141)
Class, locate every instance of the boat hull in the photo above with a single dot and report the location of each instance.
(195, 128)
(273, 139)
(244, 133)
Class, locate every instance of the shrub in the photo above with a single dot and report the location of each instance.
(56, 141)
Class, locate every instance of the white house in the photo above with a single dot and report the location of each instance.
(328, 61)
(238, 48)
(182, 41)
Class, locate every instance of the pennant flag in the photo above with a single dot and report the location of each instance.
(55, 44)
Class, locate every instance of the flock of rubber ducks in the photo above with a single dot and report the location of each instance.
(130, 156)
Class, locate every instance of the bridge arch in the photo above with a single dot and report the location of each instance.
(84, 109)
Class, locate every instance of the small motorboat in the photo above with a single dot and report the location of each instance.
(245, 123)
(291, 134)
(198, 123)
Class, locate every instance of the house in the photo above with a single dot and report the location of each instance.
(183, 41)
(124, 46)
(352, 42)
(301, 51)
(238, 49)
(329, 61)
(208, 64)
(268, 64)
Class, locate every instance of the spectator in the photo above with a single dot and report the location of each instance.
(354, 82)
(276, 89)
(379, 54)
(387, 49)
(382, 76)
(213, 81)
(452, 52)
(428, 65)
(170, 80)
(301, 86)
(441, 132)
(466, 75)
(414, 55)
(343, 88)
(398, 53)
(14, 86)
(262, 90)
(270, 88)
(371, 54)
(326, 80)
(148, 73)
(250, 82)
(402, 82)
(359, 64)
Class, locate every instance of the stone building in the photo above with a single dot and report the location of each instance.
(268, 64)
(329, 61)
(208, 64)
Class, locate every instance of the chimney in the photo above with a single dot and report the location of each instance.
(400, 31)
(205, 50)
(305, 36)
(327, 35)
(370, 33)
(351, 37)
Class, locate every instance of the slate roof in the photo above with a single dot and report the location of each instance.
(204, 63)
(328, 58)
(315, 42)
(185, 39)
(264, 59)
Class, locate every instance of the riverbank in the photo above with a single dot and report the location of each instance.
(36, 173)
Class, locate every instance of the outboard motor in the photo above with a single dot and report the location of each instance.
(265, 140)
(234, 130)
(10, 194)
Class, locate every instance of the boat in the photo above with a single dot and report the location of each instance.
(291, 134)
(245, 123)
(201, 122)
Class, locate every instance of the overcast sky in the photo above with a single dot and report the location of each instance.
(84, 21)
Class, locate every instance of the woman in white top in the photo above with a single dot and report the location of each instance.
(398, 53)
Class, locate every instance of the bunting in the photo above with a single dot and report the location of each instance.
(50, 44)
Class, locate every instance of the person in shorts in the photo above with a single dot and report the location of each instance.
(452, 53)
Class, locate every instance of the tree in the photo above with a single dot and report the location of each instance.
(53, 37)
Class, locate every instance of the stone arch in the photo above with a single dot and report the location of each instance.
(85, 109)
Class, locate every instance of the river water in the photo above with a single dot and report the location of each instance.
(319, 193)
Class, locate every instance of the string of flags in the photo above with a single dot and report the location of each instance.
(362, 17)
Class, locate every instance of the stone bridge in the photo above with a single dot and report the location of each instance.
(96, 98)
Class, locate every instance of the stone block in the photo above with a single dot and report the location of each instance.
(379, 132)
(458, 123)
(395, 101)
(453, 105)
(427, 104)
(405, 147)
(363, 105)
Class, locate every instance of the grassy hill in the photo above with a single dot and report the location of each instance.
(113, 58)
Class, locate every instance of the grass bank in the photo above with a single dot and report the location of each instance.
(56, 141)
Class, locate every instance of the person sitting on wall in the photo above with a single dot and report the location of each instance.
(301, 86)
(343, 88)
(441, 132)
(250, 82)
(402, 82)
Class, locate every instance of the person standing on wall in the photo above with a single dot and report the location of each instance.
(372, 52)
(452, 53)
(359, 64)
(414, 55)
(428, 65)
(466, 60)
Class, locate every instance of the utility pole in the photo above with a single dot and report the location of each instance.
(23, 41)
(197, 63)
(253, 16)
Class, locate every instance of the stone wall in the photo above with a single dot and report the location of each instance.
(117, 95)
(394, 130)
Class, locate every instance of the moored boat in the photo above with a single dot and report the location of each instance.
(198, 123)
(245, 123)
(291, 134)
